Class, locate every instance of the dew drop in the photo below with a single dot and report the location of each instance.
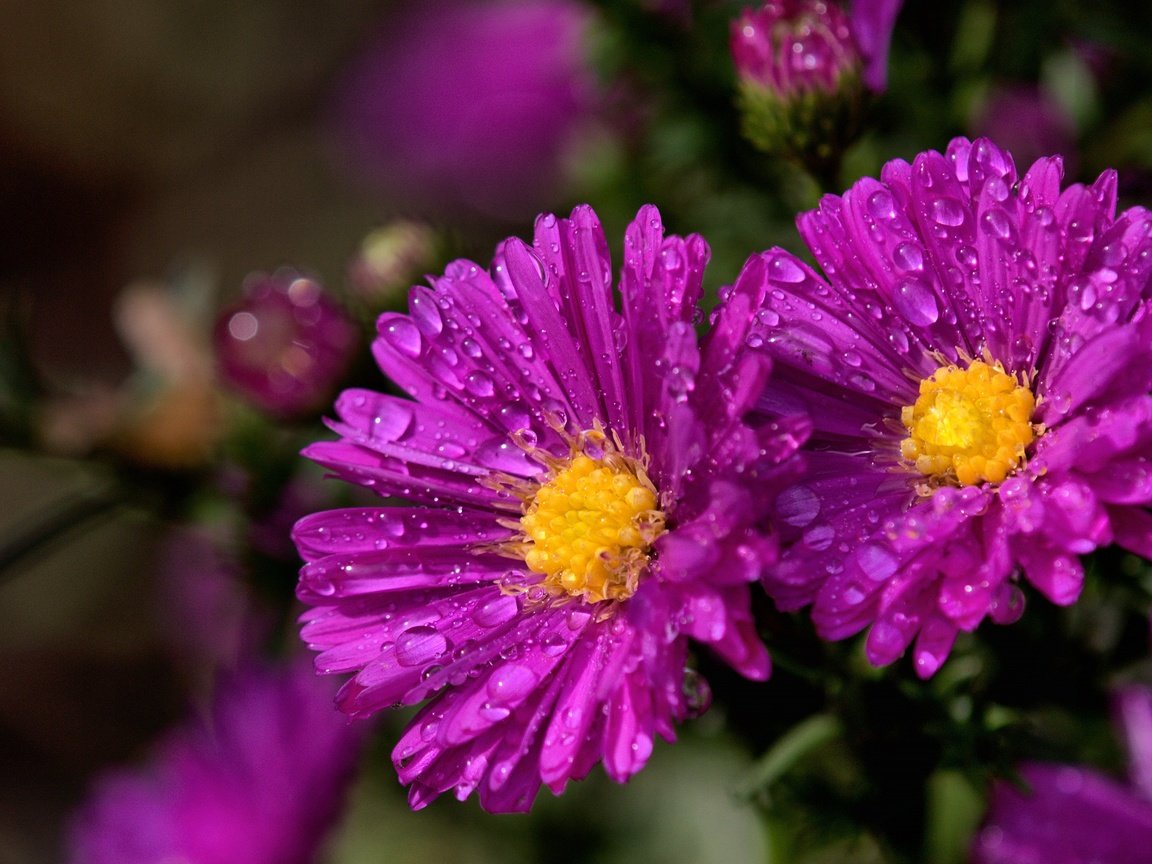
(908, 257)
(768, 317)
(697, 694)
(425, 314)
(404, 336)
(881, 205)
(996, 223)
(798, 506)
(419, 645)
(819, 537)
(784, 269)
(480, 383)
(914, 300)
(876, 561)
(496, 611)
(554, 645)
(511, 683)
(948, 211)
(996, 189)
(967, 256)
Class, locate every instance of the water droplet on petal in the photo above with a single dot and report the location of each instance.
(404, 336)
(819, 537)
(996, 224)
(480, 383)
(697, 693)
(996, 188)
(881, 205)
(798, 506)
(419, 645)
(425, 314)
(908, 257)
(948, 211)
(784, 269)
(876, 561)
(496, 611)
(915, 301)
(511, 683)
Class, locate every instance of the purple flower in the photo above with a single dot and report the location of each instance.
(258, 781)
(977, 363)
(585, 501)
(1071, 814)
(285, 345)
(469, 104)
(1068, 815)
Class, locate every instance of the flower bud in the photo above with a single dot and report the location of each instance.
(801, 80)
(285, 345)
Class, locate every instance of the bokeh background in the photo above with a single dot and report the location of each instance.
(154, 154)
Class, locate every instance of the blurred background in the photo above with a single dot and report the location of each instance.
(203, 207)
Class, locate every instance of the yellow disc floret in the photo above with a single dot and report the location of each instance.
(589, 528)
(969, 426)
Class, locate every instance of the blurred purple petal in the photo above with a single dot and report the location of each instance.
(1069, 815)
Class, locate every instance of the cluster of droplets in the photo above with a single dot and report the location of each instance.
(472, 351)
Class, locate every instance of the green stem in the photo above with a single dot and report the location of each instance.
(77, 513)
(789, 749)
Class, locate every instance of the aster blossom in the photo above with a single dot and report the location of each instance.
(259, 780)
(1071, 813)
(585, 499)
(977, 363)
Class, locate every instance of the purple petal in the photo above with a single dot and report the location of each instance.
(1069, 815)
(872, 24)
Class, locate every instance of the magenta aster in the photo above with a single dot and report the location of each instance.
(456, 102)
(258, 781)
(977, 363)
(1069, 814)
(585, 500)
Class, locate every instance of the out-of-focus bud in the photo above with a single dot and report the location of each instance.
(801, 86)
(285, 345)
(388, 260)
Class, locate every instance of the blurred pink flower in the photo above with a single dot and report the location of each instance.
(1025, 120)
(1071, 814)
(468, 105)
(260, 780)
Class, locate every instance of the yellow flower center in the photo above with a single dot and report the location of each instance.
(590, 527)
(969, 425)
